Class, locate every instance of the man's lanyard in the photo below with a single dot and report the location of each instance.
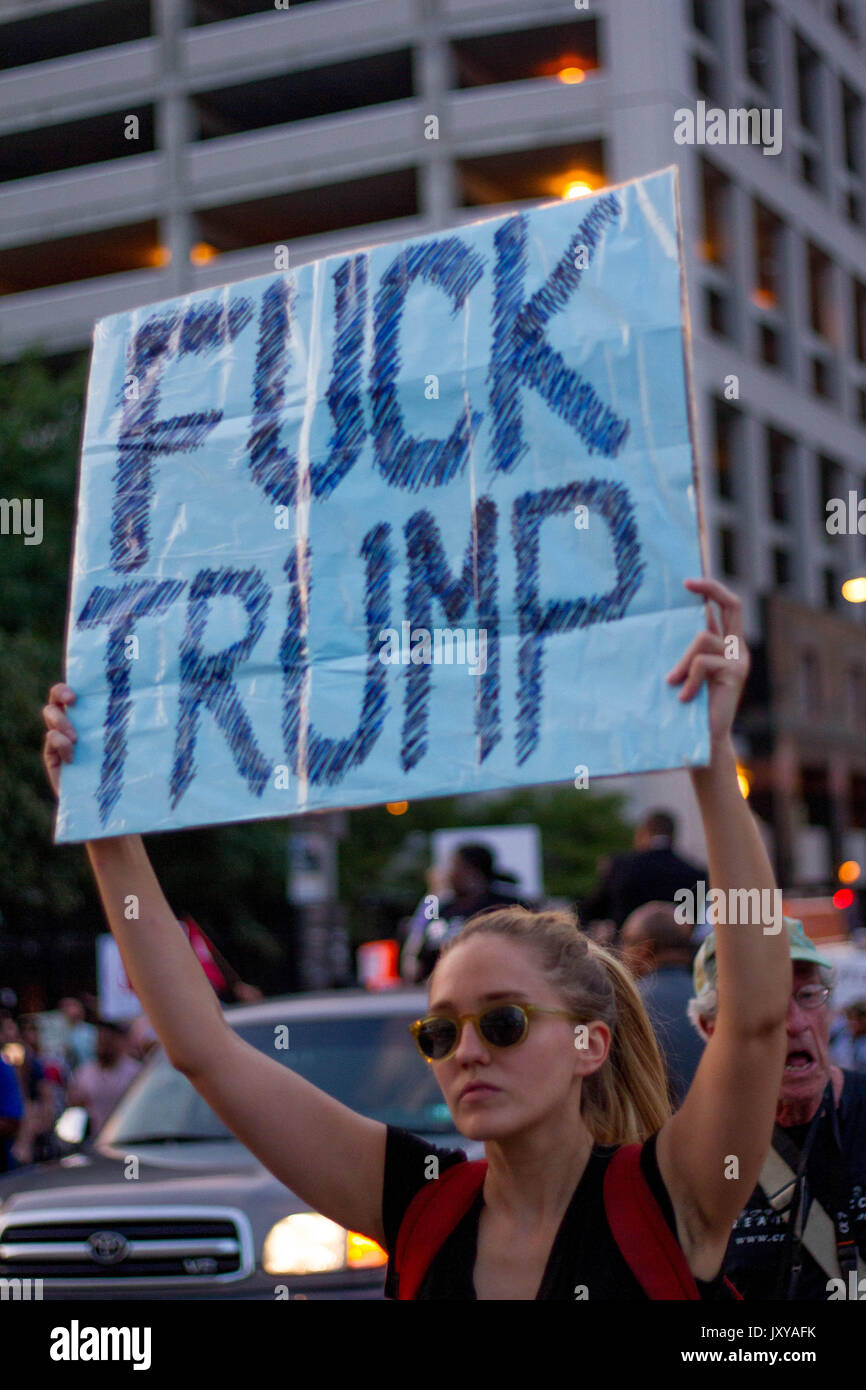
(839, 1186)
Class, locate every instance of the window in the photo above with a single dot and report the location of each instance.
(701, 17)
(810, 683)
(861, 404)
(303, 94)
(852, 129)
(809, 169)
(715, 199)
(808, 86)
(771, 346)
(565, 51)
(769, 249)
(756, 36)
(780, 466)
(70, 30)
(815, 790)
(704, 79)
(728, 551)
(845, 16)
(542, 172)
(781, 568)
(823, 378)
(860, 320)
(832, 594)
(728, 423)
(831, 484)
(854, 695)
(718, 310)
(820, 273)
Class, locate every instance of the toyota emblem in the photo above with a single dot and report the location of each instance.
(108, 1247)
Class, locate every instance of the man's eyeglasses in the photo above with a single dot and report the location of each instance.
(811, 996)
(502, 1025)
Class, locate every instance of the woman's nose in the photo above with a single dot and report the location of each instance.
(470, 1045)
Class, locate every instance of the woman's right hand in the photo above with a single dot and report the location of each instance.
(60, 739)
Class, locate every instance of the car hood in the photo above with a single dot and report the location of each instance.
(221, 1173)
(183, 1172)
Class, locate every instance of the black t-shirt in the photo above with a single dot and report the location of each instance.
(756, 1254)
(584, 1252)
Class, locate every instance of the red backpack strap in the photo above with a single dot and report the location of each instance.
(646, 1241)
(430, 1218)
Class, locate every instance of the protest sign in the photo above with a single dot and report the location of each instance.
(405, 522)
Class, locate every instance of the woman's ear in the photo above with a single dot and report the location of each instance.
(591, 1044)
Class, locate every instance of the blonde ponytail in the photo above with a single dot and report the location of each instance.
(626, 1100)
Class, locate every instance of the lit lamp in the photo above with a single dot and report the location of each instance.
(849, 872)
(571, 75)
(397, 808)
(854, 590)
(744, 781)
(203, 252)
(577, 188)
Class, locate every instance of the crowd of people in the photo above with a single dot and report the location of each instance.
(49, 1062)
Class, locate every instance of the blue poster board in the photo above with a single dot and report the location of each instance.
(405, 522)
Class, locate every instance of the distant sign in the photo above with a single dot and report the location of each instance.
(407, 522)
(117, 999)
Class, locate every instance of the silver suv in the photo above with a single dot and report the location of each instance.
(166, 1203)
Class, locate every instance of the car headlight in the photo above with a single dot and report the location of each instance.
(307, 1243)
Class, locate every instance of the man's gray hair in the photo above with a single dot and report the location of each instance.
(705, 1005)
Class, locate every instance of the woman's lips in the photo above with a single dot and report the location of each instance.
(478, 1089)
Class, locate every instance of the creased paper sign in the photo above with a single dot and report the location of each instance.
(403, 522)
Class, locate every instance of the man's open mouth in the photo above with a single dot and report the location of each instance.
(799, 1060)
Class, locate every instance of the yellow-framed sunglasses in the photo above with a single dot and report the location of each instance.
(437, 1036)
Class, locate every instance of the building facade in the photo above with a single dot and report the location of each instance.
(153, 147)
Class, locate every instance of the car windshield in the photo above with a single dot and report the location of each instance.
(370, 1064)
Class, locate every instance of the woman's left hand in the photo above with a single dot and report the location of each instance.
(721, 658)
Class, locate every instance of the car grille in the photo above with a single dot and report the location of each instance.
(180, 1244)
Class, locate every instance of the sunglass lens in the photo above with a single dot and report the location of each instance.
(436, 1037)
(505, 1026)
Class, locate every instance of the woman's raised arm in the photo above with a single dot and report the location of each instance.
(330, 1156)
(711, 1151)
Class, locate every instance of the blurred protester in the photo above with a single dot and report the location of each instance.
(802, 1234)
(42, 1085)
(651, 872)
(848, 1038)
(656, 949)
(80, 1042)
(11, 1114)
(99, 1084)
(472, 883)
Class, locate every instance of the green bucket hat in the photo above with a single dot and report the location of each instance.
(802, 948)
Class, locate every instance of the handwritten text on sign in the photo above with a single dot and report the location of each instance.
(407, 522)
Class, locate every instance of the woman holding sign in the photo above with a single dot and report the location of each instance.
(543, 1051)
